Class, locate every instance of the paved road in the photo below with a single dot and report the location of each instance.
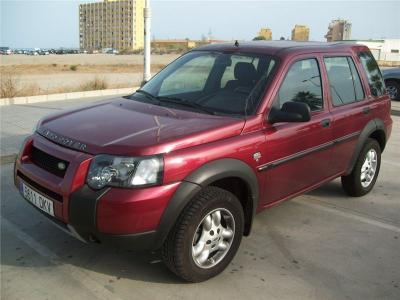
(323, 245)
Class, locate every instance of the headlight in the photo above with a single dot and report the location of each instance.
(119, 171)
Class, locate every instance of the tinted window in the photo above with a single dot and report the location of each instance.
(373, 74)
(211, 82)
(190, 77)
(344, 82)
(229, 73)
(302, 84)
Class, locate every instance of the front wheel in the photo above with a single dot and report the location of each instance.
(363, 177)
(206, 236)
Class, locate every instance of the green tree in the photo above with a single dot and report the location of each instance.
(259, 38)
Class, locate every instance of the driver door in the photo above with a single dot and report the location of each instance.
(298, 154)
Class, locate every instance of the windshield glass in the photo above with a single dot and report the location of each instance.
(211, 82)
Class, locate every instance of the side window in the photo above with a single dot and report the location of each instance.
(344, 82)
(191, 77)
(373, 74)
(302, 84)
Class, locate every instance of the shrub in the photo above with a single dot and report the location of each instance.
(54, 65)
(95, 84)
(73, 67)
(9, 86)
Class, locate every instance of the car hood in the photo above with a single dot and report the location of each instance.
(126, 127)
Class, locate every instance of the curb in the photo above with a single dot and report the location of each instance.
(8, 159)
(64, 96)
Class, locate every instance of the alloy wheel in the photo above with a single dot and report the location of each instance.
(368, 169)
(213, 238)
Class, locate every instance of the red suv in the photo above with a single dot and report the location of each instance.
(221, 133)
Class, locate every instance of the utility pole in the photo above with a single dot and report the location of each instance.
(147, 43)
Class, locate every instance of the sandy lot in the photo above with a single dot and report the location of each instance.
(63, 73)
(82, 59)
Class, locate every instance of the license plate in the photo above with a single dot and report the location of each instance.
(37, 199)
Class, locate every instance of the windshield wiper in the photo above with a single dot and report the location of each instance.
(148, 95)
(182, 102)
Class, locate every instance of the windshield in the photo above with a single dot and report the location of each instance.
(211, 82)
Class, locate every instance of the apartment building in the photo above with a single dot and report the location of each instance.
(117, 24)
(300, 33)
(338, 30)
(265, 33)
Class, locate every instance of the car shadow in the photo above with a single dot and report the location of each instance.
(114, 262)
(331, 189)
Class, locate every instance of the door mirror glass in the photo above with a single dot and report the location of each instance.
(290, 112)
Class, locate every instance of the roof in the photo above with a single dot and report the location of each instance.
(273, 47)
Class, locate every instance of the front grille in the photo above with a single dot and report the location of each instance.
(42, 189)
(48, 162)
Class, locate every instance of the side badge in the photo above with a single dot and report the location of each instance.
(257, 156)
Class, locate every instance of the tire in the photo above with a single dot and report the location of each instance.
(353, 184)
(190, 231)
(393, 87)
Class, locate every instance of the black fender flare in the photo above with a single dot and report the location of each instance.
(371, 127)
(201, 177)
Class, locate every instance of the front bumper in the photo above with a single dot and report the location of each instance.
(123, 217)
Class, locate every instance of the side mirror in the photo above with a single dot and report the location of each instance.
(290, 112)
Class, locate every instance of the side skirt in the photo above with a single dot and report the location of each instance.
(301, 192)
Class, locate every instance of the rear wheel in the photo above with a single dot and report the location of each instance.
(393, 88)
(206, 236)
(363, 177)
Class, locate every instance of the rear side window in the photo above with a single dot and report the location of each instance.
(374, 75)
(344, 82)
(302, 84)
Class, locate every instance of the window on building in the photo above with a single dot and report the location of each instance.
(344, 81)
(394, 51)
(302, 84)
(374, 75)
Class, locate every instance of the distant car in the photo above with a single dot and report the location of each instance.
(392, 81)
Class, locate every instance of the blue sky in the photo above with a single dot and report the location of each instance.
(54, 23)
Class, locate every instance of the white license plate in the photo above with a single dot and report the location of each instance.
(37, 199)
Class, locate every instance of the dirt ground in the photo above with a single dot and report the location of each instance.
(34, 75)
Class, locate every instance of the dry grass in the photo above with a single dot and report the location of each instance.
(56, 69)
(93, 85)
(39, 75)
(9, 85)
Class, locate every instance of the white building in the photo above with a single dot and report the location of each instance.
(383, 50)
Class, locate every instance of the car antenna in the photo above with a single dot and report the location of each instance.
(236, 43)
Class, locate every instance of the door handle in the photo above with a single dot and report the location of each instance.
(326, 123)
(366, 110)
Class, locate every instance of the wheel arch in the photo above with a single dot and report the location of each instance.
(374, 129)
(222, 173)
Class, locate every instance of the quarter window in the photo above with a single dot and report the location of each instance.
(344, 82)
(374, 76)
(302, 84)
